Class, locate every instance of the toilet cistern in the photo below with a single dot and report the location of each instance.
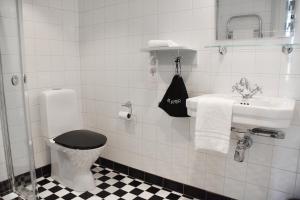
(244, 88)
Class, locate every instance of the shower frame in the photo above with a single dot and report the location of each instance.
(26, 194)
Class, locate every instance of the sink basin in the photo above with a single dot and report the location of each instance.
(270, 112)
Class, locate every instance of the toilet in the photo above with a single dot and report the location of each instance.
(73, 150)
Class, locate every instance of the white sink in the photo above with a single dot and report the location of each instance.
(270, 112)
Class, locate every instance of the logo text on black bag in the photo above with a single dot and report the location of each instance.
(175, 101)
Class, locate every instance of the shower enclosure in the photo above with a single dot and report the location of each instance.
(17, 172)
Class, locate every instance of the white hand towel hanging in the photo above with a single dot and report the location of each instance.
(213, 124)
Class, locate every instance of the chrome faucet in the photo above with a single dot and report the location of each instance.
(245, 90)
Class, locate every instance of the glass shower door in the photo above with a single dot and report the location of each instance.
(17, 145)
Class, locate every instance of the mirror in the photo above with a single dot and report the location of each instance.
(252, 19)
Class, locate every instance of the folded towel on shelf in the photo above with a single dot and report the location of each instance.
(161, 43)
(213, 124)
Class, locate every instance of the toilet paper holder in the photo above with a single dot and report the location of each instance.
(128, 105)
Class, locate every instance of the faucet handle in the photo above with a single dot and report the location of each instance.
(258, 89)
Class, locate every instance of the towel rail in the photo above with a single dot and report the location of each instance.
(259, 19)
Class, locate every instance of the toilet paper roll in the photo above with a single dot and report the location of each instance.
(125, 115)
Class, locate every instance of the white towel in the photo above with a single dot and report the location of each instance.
(161, 43)
(213, 124)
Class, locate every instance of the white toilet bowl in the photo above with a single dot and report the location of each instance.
(72, 167)
(73, 149)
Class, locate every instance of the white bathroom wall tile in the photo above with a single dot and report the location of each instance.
(292, 137)
(255, 192)
(164, 152)
(149, 132)
(283, 181)
(221, 83)
(150, 24)
(284, 158)
(203, 3)
(3, 174)
(135, 8)
(2, 155)
(288, 86)
(42, 158)
(214, 183)
(10, 63)
(215, 165)
(150, 7)
(203, 61)
(178, 173)
(244, 61)
(14, 100)
(267, 61)
(204, 18)
(261, 154)
(277, 195)
(10, 28)
(198, 82)
(290, 62)
(221, 63)
(234, 189)
(41, 2)
(296, 118)
(164, 6)
(179, 157)
(148, 150)
(55, 3)
(9, 45)
(165, 23)
(7, 8)
(196, 178)
(236, 170)
(69, 5)
(258, 175)
(184, 20)
(180, 134)
(163, 168)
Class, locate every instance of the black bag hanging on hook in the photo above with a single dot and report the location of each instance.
(174, 101)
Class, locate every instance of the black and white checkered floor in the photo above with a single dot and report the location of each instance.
(111, 185)
(10, 196)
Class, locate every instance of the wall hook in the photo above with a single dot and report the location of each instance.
(287, 49)
(222, 50)
(128, 105)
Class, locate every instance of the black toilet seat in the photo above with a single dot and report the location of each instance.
(81, 139)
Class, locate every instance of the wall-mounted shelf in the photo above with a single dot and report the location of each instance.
(239, 45)
(287, 47)
(180, 51)
(178, 48)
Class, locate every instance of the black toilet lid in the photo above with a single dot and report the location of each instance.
(81, 139)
